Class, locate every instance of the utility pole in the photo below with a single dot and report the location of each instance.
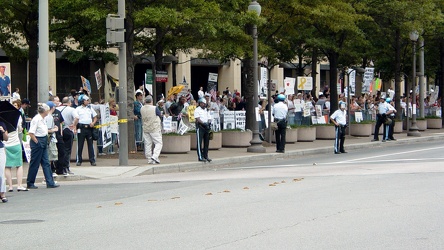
(115, 25)
(43, 69)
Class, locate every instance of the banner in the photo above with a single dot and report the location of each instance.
(351, 81)
(190, 111)
(110, 87)
(289, 85)
(368, 78)
(86, 85)
(106, 128)
(305, 83)
(98, 76)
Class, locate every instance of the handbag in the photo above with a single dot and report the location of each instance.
(274, 126)
(388, 121)
(52, 149)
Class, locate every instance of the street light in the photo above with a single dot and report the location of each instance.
(413, 130)
(256, 143)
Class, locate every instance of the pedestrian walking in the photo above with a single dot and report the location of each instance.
(280, 111)
(87, 120)
(152, 130)
(203, 127)
(339, 118)
(38, 131)
(138, 103)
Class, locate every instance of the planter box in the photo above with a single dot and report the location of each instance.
(291, 136)
(215, 144)
(398, 127)
(306, 134)
(325, 132)
(422, 124)
(361, 130)
(434, 123)
(236, 138)
(176, 144)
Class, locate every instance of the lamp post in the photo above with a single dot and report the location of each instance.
(256, 143)
(413, 130)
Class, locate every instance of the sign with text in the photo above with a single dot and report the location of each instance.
(305, 83)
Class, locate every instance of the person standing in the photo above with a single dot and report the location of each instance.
(16, 94)
(381, 117)
(71, 119)
(339, 118)
(391, 113)
(200, 93)
(152, 130)
(138, 119)
(13, 148)
(202, 117)
(3, 137)
(38, 131)
(280, 111)
(87, 120)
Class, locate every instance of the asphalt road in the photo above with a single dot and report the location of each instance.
(381, 198)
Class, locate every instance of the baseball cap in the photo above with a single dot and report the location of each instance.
(50, 104)
(26, 101)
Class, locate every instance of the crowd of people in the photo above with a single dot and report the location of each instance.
(52, 130)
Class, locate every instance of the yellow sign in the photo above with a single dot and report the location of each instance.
(190, 111)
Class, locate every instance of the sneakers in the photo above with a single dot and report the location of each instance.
(102, 154)
(112, 153)
(54, 175)
(155, 161)
(44, 182)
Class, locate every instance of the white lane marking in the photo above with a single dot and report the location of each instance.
(385, 155)
(335, 163)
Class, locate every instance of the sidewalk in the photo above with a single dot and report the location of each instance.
(170, 163)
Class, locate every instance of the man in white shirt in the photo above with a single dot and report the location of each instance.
(203, 121)
(391, 114)
(280, 111)
(200, 93)
(87, 120)
(151, 131)
(339, 118)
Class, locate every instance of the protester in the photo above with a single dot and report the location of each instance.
(202, 117)
(87, 120)
(280, 111)
(38, 132)
(138, 103)
(186, 116)
(13, 148)
(58, 121)
(71, 119)
(3, 137)
(113, 112)
(151, 131)
(16, 94)
(340, 121)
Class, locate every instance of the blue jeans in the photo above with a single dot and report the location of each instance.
(39, 155)
(138, 131)
(113, 142)
(298, 118)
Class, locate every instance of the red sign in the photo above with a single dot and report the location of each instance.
(161, 76)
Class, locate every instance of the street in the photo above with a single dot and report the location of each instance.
(379, 198)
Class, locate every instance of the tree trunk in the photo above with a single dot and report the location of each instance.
(398, 74)
(248, 92)
(441, 80)
(333, 59)
(314, 64)
(129, 38)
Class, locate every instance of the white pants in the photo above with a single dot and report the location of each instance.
(149, 139)
(2, 170)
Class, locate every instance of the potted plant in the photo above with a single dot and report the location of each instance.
(305, 133)
(434, 122)
(175, 143)
(361, 129)
(215, 144)
(325, 131)
(236, 138)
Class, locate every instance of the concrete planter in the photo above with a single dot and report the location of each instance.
(291, 136)
(306, 134)
(215, 144)
(236, 139)
(398, 127)
(433, 123)
(361, 129)
(176, 144)
(422, 124)
(325, 132)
